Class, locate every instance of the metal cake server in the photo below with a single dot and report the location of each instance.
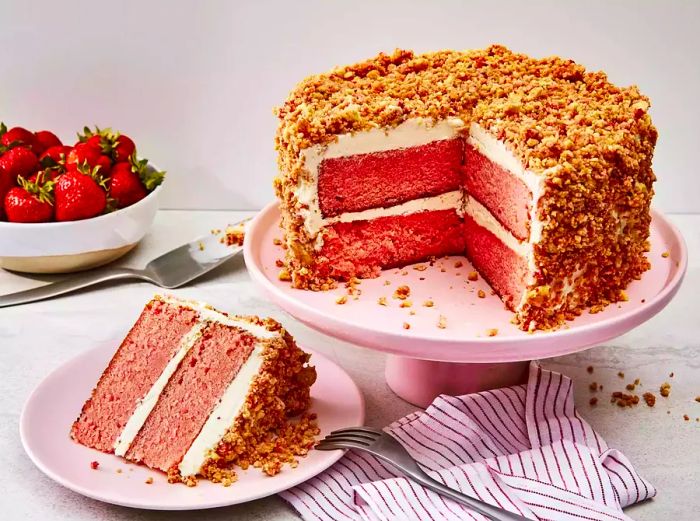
(170, 270)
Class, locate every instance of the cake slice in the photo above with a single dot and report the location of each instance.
(192, 392)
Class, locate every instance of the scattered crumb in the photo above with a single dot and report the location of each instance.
(492, 332)
(443, 270)
(593, 401)
(589, 369)
(473, 275)
(623, 296)
(149, 481)
(420, 267)
(650, 399)
(402, 292)
(481, 294)
(630, 387)
(411, 312)
(665, 255)
(406, 325)
(686, 417)
(665, 389)
(235, 234)
(284, 275)
(215, 231)
(624, 400)
(404, 273)
(458, 264)
(406, 304)
(458, 274)
(341, 300)
(428, 303)
(201, 246)
(381, 301)
(387, 282)
(670, 375)
(593, 387)
(697, 398)
(279, 263)
(644, 300)
(442, 322)
(421, 278)
(94, 465)
(277, 242)
(621, 374)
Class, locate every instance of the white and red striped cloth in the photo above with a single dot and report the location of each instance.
(524, 448)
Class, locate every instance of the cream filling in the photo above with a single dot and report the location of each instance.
(230, 403)
(485, 219)
(222, 416)
(410, 133)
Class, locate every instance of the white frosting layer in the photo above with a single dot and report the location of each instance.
(410, 133)
(146, 404)
(223, 416)
(230, 403)
(485, 218)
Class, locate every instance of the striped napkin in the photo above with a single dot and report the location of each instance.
(524, 448)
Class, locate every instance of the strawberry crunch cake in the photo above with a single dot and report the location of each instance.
(193, 392)
(537, 170)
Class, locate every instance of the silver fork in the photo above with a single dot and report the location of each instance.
(391, 451)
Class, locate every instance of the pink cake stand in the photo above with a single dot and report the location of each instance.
(426, 360)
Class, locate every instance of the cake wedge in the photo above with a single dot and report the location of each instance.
(192, 391)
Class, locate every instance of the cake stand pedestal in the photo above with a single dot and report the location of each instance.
(444, 338)
(420, 381)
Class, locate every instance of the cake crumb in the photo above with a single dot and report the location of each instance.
(443, 270)
(492, 332)
(624, 400)
(406, 304)
(412, 312)
(630, 387)
(473, 275)
(201, 246)
(149, 481)
(404, 273)
(420, 267)
(670, 375)
(481, 294)
(406, 325)
(650, 399)
(442, 322)
(279, 263)
(277, 242)
(458, 264)
(284, 275)
(686, 417)
(428, 303)
(589, 369)
(235, 234)
(621, 374)
(665, 389)
(94, 465)
(697, 398)
(665, 255)
(381, 301)
(402, 292)
(593, 401)
(341, 300)
(387, 282)
(119, 471)
(593, 387)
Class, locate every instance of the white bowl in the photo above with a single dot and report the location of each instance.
(64, 247)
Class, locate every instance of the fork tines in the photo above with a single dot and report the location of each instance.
(350, 437)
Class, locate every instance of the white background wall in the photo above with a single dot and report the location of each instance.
(194, 82)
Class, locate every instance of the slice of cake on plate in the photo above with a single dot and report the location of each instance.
(537, 170)
(192, 392)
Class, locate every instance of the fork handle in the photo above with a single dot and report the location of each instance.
(73, 283)
(483, 508)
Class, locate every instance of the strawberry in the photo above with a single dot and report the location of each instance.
(45, 140)
(125, 186)
(79, 195)
(57, 154)
(6, 183)
(150, 177)
(83, 153)
(123, 148)
(19, 162)
(30, 202)
(18, 136)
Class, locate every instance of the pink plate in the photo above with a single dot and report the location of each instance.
(53, 406)
(466, 316)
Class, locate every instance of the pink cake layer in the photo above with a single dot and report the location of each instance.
(382, 179)
(189, 397)
(136, 366)
(502, 268)
(363, 248)
(505, 196)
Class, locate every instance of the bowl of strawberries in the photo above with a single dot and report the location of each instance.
(66, 208)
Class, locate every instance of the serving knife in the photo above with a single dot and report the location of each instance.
(170, 270)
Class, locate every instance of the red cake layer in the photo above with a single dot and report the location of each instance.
(363, 248)
(502, 268)
(506, 196)
(388, 178)
(189, 397)
(138, 363)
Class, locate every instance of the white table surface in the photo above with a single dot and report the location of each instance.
(36, 338)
